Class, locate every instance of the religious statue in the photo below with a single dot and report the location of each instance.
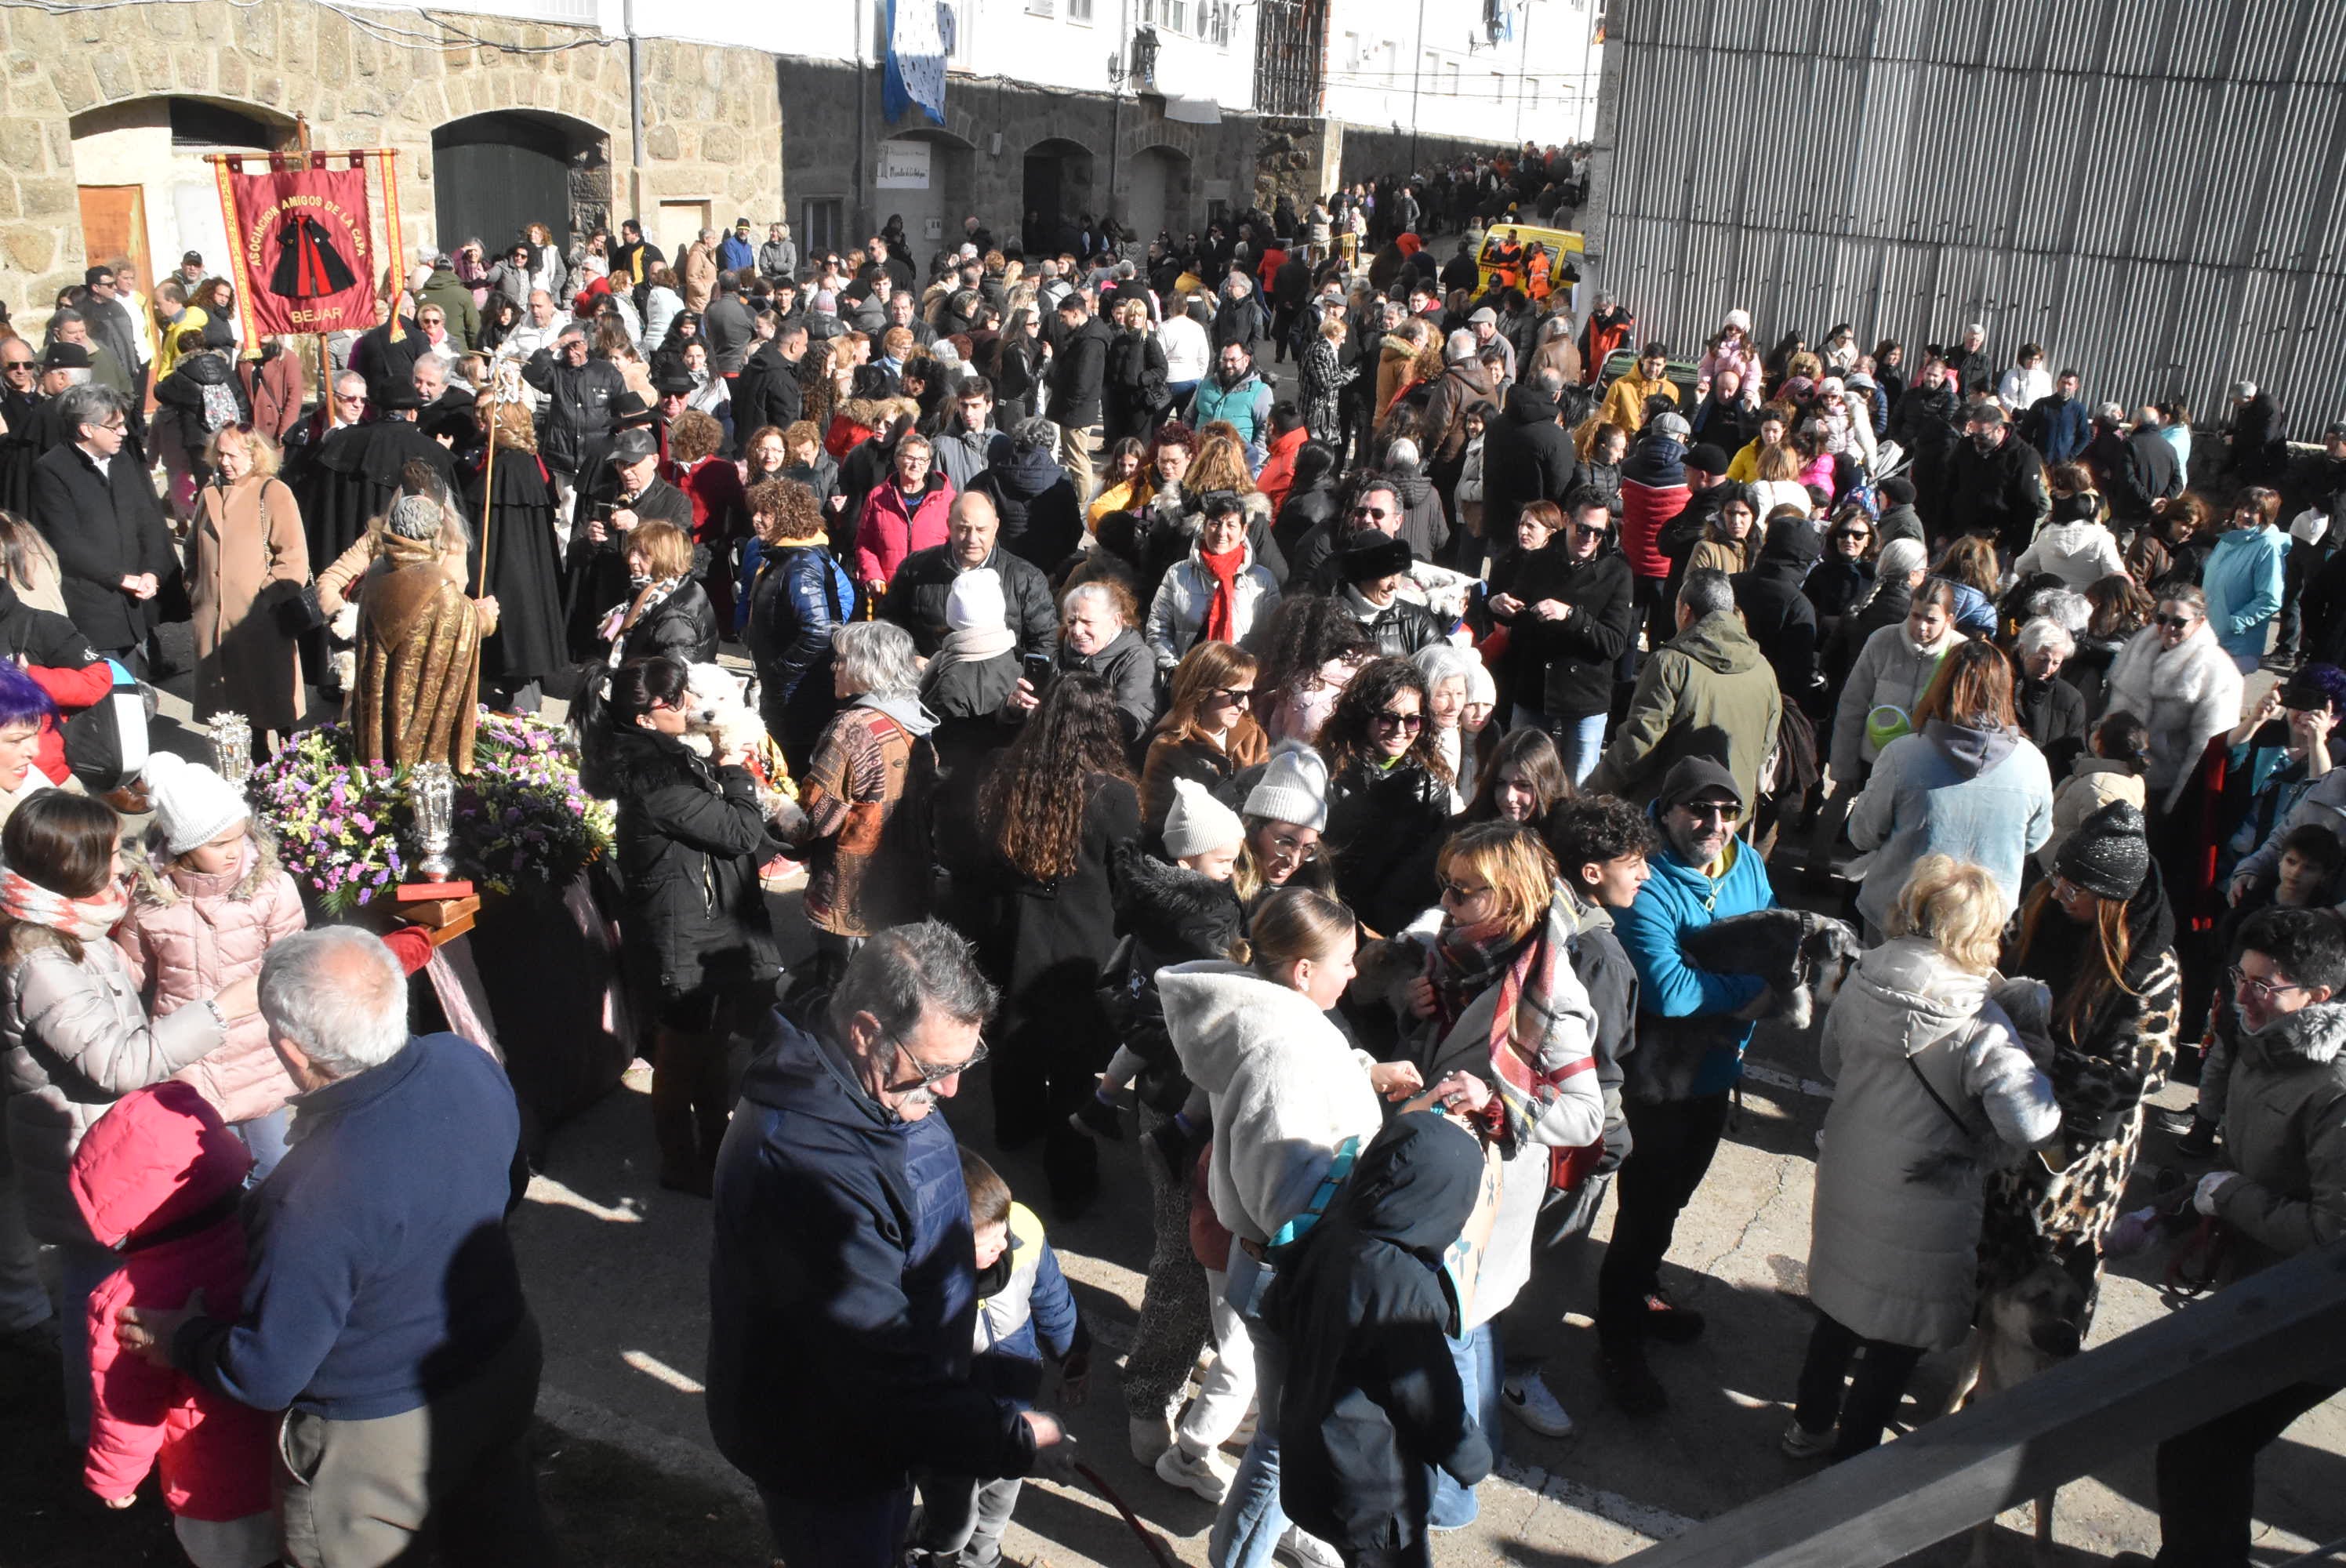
(419, 645)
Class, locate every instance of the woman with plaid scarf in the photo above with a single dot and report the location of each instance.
(1499, 1000)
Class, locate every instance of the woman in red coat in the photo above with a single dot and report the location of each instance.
(904, 513)
(720, 508)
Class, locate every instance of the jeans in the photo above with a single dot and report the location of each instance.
(1477, 1357)
(1655, 613)
(24, 1303)
(84, 1265)
(1874, 1393)
(1580, 741)
(963, 1518)
(839, 1532)
(2208, 1478)
(1670, 1149)
(263, 1139)
(1252, 1522)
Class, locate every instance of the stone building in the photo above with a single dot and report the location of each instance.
(106, 115)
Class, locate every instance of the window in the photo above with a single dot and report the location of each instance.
(1453, 78)
(1177, 16)
(1535, 90)
(821, 225)
(1040, 8)
(1429, 70)
(1219, 29)
(1392, 65)
(1351, 51)
(1080, 11)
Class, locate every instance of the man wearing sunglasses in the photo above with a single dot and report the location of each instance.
(1692, 1027)
(2284, 1138)
(20, 423)
(842, 1275)
(1708, 691)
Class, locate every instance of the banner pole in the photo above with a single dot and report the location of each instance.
(488, 491)
(326, 380)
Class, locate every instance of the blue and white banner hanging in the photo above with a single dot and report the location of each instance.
(916, 59)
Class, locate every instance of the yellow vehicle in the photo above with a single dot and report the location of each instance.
(1535, 260)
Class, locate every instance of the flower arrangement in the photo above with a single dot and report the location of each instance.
(346, 828)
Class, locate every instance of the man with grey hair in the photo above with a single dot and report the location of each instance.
(1706, 692)
(385, 1313)
(95, 506)
(843, 1288)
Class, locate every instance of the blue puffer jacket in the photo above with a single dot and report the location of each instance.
(2245, 576)
(1688, 1045)
(801, 596)
(842, 1297)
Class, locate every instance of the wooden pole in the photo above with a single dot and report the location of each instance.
(488, 488)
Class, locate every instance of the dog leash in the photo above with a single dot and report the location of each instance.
(1157, 1548)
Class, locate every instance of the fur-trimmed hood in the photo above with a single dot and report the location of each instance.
(1177, 914)
(2314, 1034)
(153, 880)
(876, 414)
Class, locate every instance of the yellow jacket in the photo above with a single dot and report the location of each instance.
(1625, 401)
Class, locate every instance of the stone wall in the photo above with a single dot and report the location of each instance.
(823, 148)
(713, 118)
(1369, 154)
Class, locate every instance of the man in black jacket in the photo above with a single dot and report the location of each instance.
(1995, 482)
(768, 391)
(916, 596)
(1924, 425)
(1374, 567)
(1079, 369)
(98, 510)
(1527, 454)
(2145, 474)
(1042, 518)
(573, 425)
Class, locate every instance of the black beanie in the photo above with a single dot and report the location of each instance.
(2108, 853)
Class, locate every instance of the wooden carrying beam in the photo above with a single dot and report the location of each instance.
(2272, 1329)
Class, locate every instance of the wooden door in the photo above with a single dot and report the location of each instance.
(114, 224)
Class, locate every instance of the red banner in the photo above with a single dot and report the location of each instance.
(305, 247)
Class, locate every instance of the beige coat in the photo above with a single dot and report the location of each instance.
(697, 279)
(247, 541)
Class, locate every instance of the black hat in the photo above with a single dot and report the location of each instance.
(1710, 459)
(1369, 555)
(633, 446)
(2108, 853)
(1692, 778)
(629, 408)
(66, 357)
(674, 384)
(454, 422)
(192, 259)
(399, 395)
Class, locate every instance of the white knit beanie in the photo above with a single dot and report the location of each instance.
(974, 603)
(1293, 788)
(193, 805)
(1199, 822)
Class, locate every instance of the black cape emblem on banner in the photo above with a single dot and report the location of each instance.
(308, 264)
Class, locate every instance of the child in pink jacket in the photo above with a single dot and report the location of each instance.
(158, 1179)
(208, 902)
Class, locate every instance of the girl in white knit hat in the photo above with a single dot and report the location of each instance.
(208, 900)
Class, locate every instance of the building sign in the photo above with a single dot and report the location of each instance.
(903, 166)
(304, 246)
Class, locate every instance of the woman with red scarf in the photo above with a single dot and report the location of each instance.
(1218, 594)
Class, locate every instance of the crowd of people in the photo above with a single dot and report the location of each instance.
(1321, 787)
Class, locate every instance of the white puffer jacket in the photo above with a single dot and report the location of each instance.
(2079, 554)
(78, 1040)
(1894, 1250)
(1891, 672)
(189, 934)
(1286, 1089)
(1177, 613)
(2188, 695)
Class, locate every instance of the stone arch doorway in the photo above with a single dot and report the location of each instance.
(145, 194)
(1158, 192)
(925, 178)
(1057, 193)
(492, 173)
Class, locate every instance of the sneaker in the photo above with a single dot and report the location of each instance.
(2200, 1143)
(1150, 1437)
(1306, 1551)
(2167, 1119)
(1799, 1443)
(1096, 1118)
(1529, 1401)
(1202, 1474)
(1629, 1383)
(1670, 1323)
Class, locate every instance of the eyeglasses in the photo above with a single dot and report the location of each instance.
(114, 424)
(929, 1075)
(1240, 696)
(2177, 622)
(1583, 530)
(1289, 844)
(1371, 511)
(1407, 723)
(16, 364)
(1707, 810)
(2243, 980)
(1458, 890)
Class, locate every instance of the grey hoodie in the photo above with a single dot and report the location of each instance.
(905, 710)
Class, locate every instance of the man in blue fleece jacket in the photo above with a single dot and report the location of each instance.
(843, 1279)
(385, 1313)
(1692, 1027)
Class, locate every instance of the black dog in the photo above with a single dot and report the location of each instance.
(1803, 957)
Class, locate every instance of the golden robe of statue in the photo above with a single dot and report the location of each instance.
(417, 692)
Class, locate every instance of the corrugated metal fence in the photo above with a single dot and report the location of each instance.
(2150, 188)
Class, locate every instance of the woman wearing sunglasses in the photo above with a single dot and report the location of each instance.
(1207, 734)
(1844, 576)
(2178, 677)
(1388, 794)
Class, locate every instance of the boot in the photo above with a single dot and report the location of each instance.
(712, 1101)
(675, 1075)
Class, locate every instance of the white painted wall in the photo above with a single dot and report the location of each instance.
(1430, 63)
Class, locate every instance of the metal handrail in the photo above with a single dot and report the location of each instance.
(2259, 1336)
